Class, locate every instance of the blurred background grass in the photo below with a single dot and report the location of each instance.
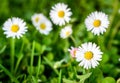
(52, 46)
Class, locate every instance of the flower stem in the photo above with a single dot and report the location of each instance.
(101, 42)
(18, 62)
(32, 58)
(60, 76)
(73, 39)
(38, 67)
(114, 32)
(115, 10)
(12, 52)
(20, 56)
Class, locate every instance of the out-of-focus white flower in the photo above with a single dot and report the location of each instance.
(119, 11)
(44, 26)
(66, 32)
(119, 59)
(36, 18)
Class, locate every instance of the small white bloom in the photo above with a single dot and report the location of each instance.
(88, 55)
(66, 32)
(97, 22)
(60, 14)
(36, 18)
(44, 26)
(119, 59)
(73, 51)
(14, 27)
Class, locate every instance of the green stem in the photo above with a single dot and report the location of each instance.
(18, 62)
(32, 58)
(60, 77)
(73, 39)
(115, 10)
(12, 52)
(34, 34)
(20, 56)
(115, 30)
(75, 71)
(100, 41)
(38, 67)
(9, 74)
(86, 71)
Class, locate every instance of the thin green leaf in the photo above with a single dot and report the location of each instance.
(51, 65)
(3, 49)
(9, 74)
(60, 76)
(83, 77)
(68, 81)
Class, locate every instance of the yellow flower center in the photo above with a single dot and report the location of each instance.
(15, 28)
(74, 53)
(36, 19)
(61, 14)
(67, 33)
(97, 23)
(88, 55)
(43, 26)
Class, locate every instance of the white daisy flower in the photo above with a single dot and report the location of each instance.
(44, 26)
(14, 27)
(36, 18)
(60, 14)
(97, 22)
(66, 32)
(88, 55)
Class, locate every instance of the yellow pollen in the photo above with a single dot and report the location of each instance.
(36, 19)
(15, 28)
(67, 33)
(88, 55)
(74, 53)
(42, 26)
(97, 23)
(61, 14)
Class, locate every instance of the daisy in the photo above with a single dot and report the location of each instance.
(44, 26)
(73, 51)
(36, 18)
(14, 27)
(88, 55)
(60, 14)
(97, 22)
(66, 32)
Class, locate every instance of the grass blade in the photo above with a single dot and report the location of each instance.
(9, 74)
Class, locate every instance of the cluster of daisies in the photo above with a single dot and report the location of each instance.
(88, 54)
(60, 15)
(42, 24)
